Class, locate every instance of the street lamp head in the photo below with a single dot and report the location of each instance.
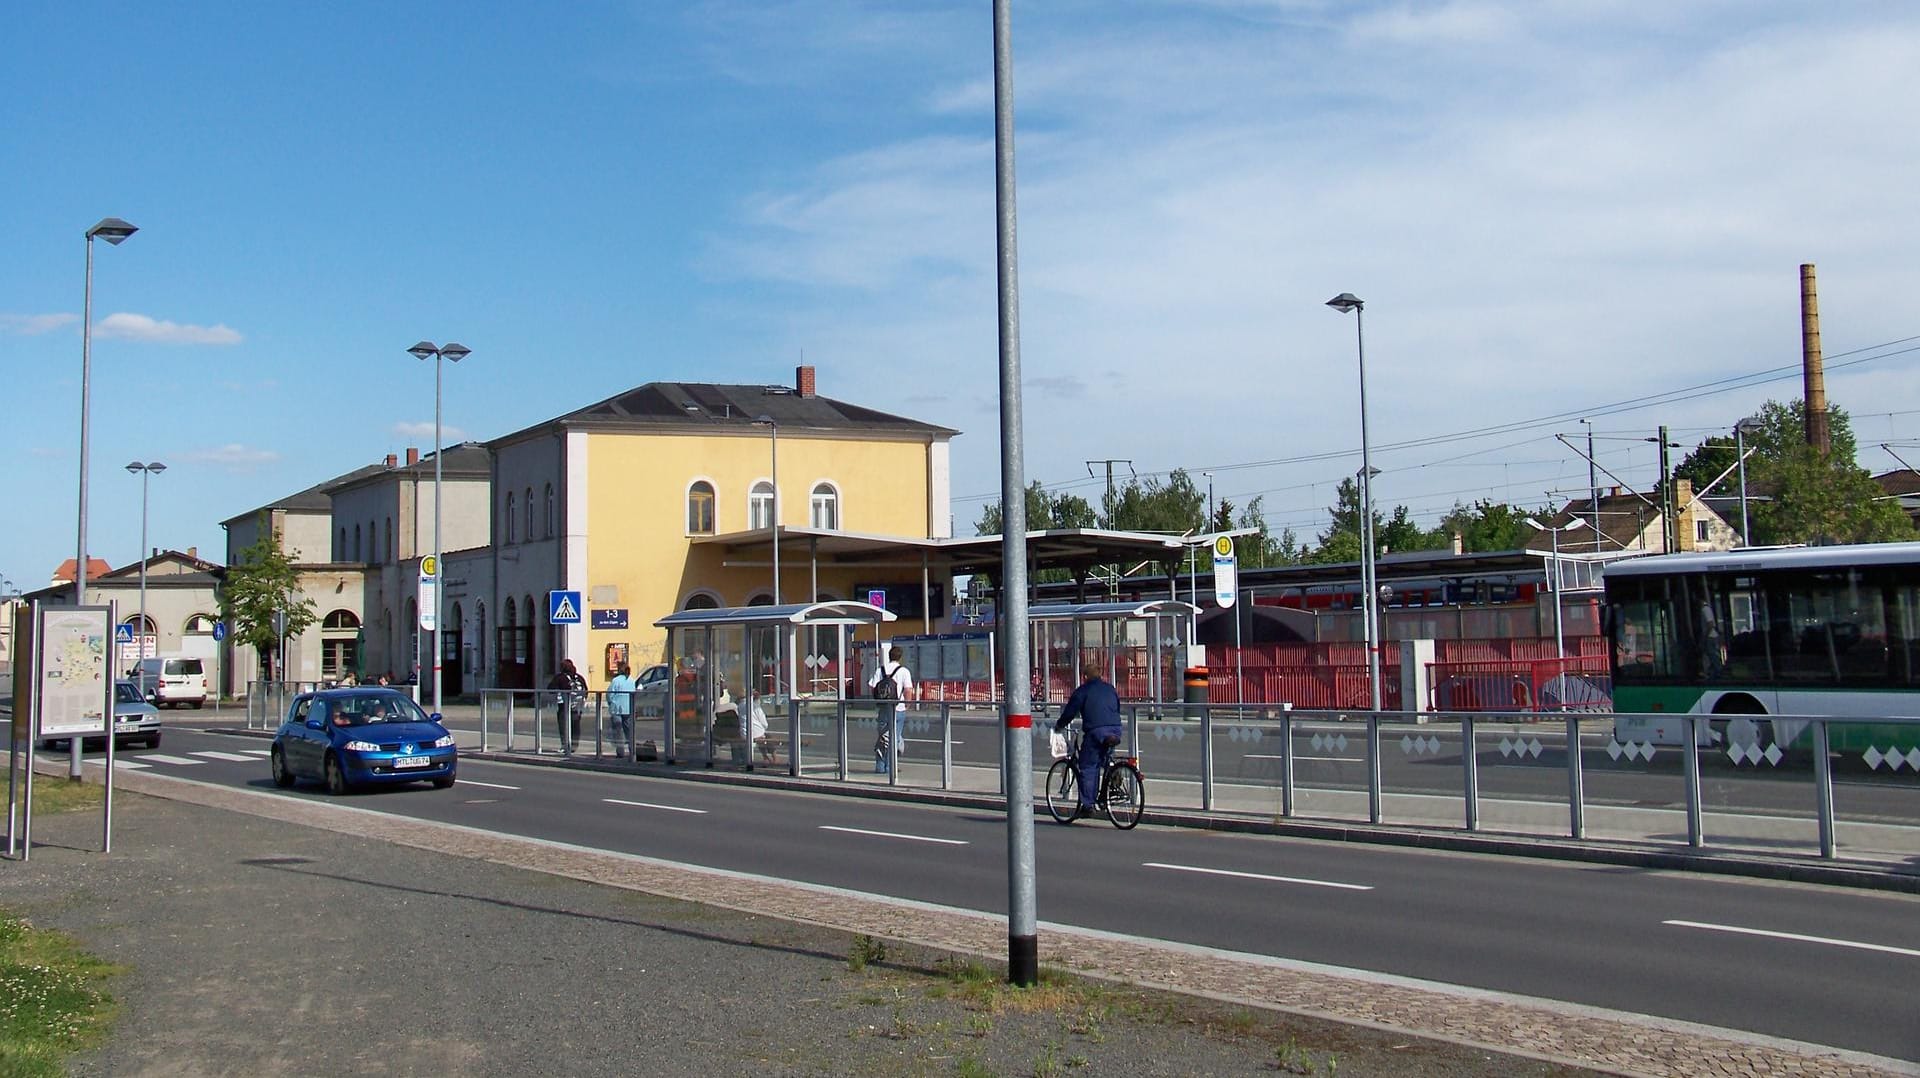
(765, 421)
(1750, 426)
(113, 230)
(455, 352)
(1532, 523)
(1346, 303)
(136, 467)
(423, 350)
(1576, 522)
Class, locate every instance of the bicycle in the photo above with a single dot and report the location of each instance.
(1123, 790)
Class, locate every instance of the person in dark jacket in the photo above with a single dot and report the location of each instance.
(1097, 706)
(570, 698)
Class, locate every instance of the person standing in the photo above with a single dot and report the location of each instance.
(570, 697)
(620, 711)
(1097, 706)
(892, 685)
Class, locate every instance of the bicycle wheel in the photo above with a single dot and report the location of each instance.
(1126, 799)
(1063, 791)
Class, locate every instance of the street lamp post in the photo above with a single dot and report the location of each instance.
(144, 471)
(1347, 302)
(456, 353)
(114, 231)
(1559, 640)
(1749, 425)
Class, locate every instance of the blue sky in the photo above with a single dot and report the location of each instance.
(1549, 207)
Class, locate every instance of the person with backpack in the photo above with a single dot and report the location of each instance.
(892, 685)
(570, 699)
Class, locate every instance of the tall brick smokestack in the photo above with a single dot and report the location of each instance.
(803, 380)
(1813, 371)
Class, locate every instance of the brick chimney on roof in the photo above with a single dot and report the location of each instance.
(803, 380)
(413, 456)
(392, 460)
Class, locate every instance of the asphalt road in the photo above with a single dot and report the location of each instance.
(1828, 966)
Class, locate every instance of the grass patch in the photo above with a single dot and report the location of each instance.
(52, 795)
(52, 1003)
(865, 951)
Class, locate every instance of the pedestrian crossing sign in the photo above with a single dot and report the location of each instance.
(123, 634)
(563, 607)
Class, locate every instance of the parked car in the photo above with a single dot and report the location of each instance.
(172, 682)
(653, 685)
(361, 736)
(134, 721)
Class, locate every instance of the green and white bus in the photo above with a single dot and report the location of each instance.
(1758, 633)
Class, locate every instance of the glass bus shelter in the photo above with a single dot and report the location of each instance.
(1139, 644)
(741, 674)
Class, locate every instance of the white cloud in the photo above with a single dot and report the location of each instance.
(424, 430)
(139, 327)
(234, 457)
(31, 325)
(1547, 206)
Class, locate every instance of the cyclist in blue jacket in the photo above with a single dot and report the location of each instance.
(1097, 705)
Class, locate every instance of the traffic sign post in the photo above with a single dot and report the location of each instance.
(1226, 583)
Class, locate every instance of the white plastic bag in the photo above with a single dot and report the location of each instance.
(1057, 743)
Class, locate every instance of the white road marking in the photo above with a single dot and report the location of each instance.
(651, 805)
(490, 785)
(1797, 937)
(1260, 876)
(156, 757)
(1348, 759)
(215, 755)
(258, 752)
(130, 765)
(890, 834)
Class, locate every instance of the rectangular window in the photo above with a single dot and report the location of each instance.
(1702, 532)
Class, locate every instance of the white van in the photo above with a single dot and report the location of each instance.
(171, 682)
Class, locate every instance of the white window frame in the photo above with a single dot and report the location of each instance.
(816, 499)
(760, 505)
(712, 494)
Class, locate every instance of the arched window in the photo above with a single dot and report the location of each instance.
(200, 625)
(510, 518)
(340, 619)
(825, 509)
(702, 600)
(529, 510)
(389, 539)
(700, 510)
(550, 522)
(760, 506)
(356, 542)
(340, 640)
(138, 627)
(340, 550)
(508, 619)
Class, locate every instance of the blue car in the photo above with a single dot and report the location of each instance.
(361, 736)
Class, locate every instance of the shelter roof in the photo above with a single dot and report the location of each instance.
(838, 612)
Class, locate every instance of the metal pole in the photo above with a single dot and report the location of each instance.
(1369, 571)
(775, 429)
(1690, 771)
(1470, 763)
(1823, 788)
(438, 606)
(140, 638)
(1740, 448)
(1373, 766)
(80, 558)
(1023, 940)
(1576, 783)
(1593, 487)
(1559, 639)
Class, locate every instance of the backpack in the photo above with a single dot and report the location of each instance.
(886, 688)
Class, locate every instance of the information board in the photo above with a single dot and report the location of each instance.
(74, 685)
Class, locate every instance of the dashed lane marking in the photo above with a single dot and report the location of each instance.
(214, 754)
(1261, 876)
(1798, 938)
(651, 805)
(489, 785)
(161, 758)
(890, 834)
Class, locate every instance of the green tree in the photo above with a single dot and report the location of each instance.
(1487, 526)
(1174, 507)
(261, 584)
(1801, 494)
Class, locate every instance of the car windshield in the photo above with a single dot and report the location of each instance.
(125, 692)
(361, 709)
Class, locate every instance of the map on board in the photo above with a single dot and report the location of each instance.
(74, 686)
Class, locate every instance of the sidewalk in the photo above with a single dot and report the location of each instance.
(259, 946)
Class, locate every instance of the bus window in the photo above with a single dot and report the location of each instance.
(1643, 643)
(1748, 657)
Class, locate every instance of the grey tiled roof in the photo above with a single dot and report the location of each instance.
(696, 406)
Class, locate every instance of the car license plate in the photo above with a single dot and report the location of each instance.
(413, 761)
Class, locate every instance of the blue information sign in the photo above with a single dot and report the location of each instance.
(610, 617)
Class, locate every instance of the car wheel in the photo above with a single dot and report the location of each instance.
(198, 704)
(281, 776)
(153, 742)
(444, 782)
(336, 778)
